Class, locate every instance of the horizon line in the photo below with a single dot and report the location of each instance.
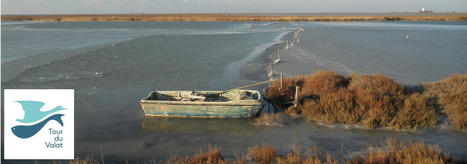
(175, 13)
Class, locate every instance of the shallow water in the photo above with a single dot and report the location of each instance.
(114, 64)
(409, 52)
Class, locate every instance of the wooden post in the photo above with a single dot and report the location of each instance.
(272, 72)
(278, 55)
(296, 96)
(281, 81)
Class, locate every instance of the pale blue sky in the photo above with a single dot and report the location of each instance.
(229, 6)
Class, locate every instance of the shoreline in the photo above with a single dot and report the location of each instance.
(316, 51)
(243, 17)
(136, 148)
(295, 62)
(254, 70)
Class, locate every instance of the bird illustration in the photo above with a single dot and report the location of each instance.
(32, 112)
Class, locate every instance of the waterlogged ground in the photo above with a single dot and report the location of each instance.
(111, 65)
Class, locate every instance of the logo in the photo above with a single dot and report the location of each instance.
(32, 113)
(39, 123)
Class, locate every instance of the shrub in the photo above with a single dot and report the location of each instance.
(451, 94)
(333, 107)
(370, 100)
(282, 96)
(322, 82)
(373, 100)
(416, 112)
(310, 86)
(379, 96)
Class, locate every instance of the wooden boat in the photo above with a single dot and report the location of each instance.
(204, 104)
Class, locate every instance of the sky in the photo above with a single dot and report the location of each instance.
(225, 6)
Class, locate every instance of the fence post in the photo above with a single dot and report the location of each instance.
(272, 71)
(271, 74)
(281, 81)
(296, 96)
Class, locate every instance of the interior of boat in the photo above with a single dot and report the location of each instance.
(203, 96)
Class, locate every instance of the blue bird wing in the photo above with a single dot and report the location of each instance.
(31, 108)
(57, 108)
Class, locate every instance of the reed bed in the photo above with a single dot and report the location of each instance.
(227, 17)
(211, 155)
(87, 160)
(264, 154)
(391, 151)
(373, 100)
(408, 153)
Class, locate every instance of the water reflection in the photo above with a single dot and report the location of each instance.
(195, 125)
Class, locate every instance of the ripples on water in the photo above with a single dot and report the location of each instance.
(113, 64)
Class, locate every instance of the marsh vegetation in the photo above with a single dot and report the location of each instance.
(234, 17)
(389, 152)
(374, 100)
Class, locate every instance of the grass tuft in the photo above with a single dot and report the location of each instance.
(264, 154)
(211, 156)
(273, 119)
(87, 160)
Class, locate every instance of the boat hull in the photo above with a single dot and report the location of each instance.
(203, 111)
(229, 109)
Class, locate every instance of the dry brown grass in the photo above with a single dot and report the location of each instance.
(408, 153)
(451, 95)
(293, 157)
(368, 100)
(87, 160)
(390, 152)
(264, 154)
(225, 17)
(211, 156)
(273, 119)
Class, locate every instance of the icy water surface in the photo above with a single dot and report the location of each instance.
(111, 65)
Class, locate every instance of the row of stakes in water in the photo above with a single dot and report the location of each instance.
(287, 46)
